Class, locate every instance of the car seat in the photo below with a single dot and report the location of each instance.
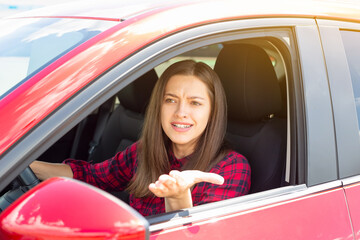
(124, 125)
(253, 97)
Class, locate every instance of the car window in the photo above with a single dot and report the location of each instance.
(206, 54)
(29, 45)
(351, 41)
(238, 131)
(227, 65)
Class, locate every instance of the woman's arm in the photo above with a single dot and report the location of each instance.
(44, 170)
(175, 187)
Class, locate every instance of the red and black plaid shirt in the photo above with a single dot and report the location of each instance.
(114, 175)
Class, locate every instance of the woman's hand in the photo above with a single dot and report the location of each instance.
(175, 187)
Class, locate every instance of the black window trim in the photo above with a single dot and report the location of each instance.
(347, 132)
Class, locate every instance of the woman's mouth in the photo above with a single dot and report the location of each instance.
(181, 126)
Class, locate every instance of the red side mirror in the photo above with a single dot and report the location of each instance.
(62, 208)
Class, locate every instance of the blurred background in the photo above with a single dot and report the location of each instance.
(10, 7)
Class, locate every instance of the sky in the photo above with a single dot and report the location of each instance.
(10, 7)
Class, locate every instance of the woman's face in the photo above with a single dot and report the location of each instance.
(185, 111)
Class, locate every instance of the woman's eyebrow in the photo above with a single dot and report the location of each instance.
(196, 97)
(170, 94)
(175, 96)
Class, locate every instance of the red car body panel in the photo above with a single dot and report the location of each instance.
(353, 195)
(39, 214)
(324, 215)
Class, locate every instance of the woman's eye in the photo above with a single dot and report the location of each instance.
(195, 103)
(169, 100)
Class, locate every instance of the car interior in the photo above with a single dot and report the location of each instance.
(253, 75)
(254, 97)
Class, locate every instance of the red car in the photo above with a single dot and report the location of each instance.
(75, 80)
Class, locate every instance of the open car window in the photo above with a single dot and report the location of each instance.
(126, 114)
(125, 111)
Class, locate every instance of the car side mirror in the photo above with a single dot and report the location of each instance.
(62, 208)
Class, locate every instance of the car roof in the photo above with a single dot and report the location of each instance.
(115, 10)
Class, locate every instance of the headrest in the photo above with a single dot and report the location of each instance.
(136, 95)
(249, 80)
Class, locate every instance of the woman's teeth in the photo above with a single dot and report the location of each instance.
(181, 126)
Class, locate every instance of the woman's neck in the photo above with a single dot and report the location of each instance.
(181, 151)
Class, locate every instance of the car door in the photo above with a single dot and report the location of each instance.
(342, 53)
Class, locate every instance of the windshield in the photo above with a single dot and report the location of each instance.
(28, 45)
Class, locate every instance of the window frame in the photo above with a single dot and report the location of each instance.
(340, 85)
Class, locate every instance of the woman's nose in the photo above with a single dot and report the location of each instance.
(182, 110)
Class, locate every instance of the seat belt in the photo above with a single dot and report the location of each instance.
(78, 134)
(103, 115)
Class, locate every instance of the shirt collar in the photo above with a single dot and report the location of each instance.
(175, 162)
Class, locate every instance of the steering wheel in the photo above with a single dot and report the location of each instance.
(21, 184)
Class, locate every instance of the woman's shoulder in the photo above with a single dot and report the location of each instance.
(129, 152)
(233, 157)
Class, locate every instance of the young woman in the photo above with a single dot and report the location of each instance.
(181, 159)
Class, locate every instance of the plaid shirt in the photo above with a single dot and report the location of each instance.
(114, 175)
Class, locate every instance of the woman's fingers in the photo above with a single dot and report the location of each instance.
(191, 177)
(195, 176)
(158, 189)
(209, 177)
(177, 182)
(182, 181)
(154, 189)
(167, 182)
(167, 179)
(164, 186)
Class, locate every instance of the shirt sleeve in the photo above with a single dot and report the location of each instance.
(111, 175)
(237, 175)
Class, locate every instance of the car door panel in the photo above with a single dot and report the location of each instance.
(322, 215)
(352, 192)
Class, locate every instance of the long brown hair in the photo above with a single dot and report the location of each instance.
(154, 144)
